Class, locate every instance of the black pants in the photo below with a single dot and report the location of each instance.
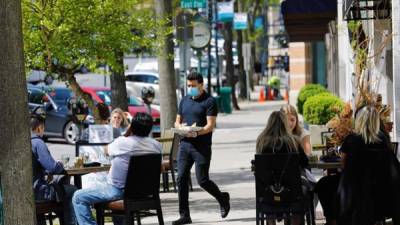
(326, 190)
(187, 156)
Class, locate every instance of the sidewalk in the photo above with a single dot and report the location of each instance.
(234, 143)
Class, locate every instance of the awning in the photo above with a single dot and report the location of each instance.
(307, 20)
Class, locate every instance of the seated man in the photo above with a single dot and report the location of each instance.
(136, 141)
(43, 164)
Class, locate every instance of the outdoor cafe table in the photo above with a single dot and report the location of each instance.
(78, 172)
(325, 165)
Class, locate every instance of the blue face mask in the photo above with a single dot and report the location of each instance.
(193, 91)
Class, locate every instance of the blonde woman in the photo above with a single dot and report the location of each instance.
(296, 129)
(119, 120)
(366, 135)
(276, 138)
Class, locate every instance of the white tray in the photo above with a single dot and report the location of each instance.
(185, 130)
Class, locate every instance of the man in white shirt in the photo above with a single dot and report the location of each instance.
(136, 141)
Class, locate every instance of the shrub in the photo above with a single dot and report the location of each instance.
(306, 92)
(319, 109)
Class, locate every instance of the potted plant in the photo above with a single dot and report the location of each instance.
(307, 91)
(318, 110)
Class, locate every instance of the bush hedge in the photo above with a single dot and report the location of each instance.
(307, 91)
(319, 109)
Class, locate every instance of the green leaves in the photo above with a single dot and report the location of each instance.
(72, 33)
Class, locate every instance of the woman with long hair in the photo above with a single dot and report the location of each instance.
(119, 121)
(277, 138)
(367, 135)
(295, 127)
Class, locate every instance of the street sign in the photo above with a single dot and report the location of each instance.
(225, 11)
(246, 48)
(240, 21)
(190, 4)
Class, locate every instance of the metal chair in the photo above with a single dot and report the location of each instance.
(141, 191)
(46, 209)
(282, 169)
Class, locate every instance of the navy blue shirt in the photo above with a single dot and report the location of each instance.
(42, 164)
(196, 111)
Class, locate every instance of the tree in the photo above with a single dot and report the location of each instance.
(229, 62)
(61, 36)
(166, 64)
(15, 163)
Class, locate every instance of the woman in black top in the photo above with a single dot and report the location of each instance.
(277, 138)
(364, 193)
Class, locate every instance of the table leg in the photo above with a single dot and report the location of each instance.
(78, 181)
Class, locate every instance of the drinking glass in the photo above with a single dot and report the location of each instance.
(65, 160)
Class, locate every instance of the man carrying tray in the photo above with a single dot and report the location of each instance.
(200, 109)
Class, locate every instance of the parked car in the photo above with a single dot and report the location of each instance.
(136, 81)
(58, 118)
(135, 105)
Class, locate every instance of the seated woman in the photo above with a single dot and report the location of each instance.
(296, 129)
(277, 138)
(368, 166)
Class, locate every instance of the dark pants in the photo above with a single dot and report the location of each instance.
(326, 190)
(187, 156)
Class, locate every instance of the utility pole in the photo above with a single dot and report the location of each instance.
(210, 21)
(216, 45)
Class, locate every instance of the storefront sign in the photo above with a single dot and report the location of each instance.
(240, 21)
(225, 11)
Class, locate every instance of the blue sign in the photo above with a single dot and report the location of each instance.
(259, 22)
(240, 21)
(225, 11)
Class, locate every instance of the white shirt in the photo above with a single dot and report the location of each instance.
(120, 152)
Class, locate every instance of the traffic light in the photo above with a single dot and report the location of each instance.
(286, 62)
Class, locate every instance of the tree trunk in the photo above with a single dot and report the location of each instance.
(16, 153)
(166, 66)
(229, 62)
(73, 84)
(118, 87)
(242, 73)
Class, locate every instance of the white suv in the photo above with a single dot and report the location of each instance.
(136, 81)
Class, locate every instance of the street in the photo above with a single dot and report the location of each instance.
(234, 143)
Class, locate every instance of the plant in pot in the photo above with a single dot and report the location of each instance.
(307, 91)
(318, 110)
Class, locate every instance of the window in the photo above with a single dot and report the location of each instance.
(144, 78)
(36, 97)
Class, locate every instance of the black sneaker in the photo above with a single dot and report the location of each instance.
(182, 220)
(225, 205)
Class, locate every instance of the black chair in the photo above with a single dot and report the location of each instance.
(141, 191)
(50, 210)
(171, 165)
(283, 168)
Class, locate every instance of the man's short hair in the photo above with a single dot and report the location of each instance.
(104, 111)
(36, 121)
(141, 124)
(195, 76)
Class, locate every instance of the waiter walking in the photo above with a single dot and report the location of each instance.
(199, 108)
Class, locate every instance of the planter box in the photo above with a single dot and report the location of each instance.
(315, 133)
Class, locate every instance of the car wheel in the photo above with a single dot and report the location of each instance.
(71, 132)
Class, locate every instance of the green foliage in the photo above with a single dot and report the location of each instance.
(307, 91)
(319, 109)
(68, 33)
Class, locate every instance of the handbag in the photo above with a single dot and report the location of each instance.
(277, 192)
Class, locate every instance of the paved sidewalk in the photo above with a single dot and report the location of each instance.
(234, 143)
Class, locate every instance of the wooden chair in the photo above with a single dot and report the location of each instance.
(170, 164)
(141, 191)
(46, 210)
